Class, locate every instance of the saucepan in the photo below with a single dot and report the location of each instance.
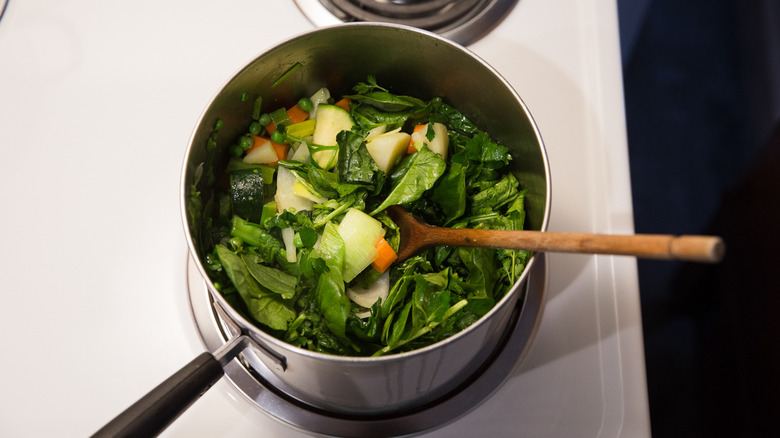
(409, 61)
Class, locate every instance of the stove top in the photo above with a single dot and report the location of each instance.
(97, 103)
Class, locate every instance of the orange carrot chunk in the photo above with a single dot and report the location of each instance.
(296, 114)
(344, 103)
(281, 150)
(411, 149)
(386, 256)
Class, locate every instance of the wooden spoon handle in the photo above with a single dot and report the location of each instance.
(659, 246)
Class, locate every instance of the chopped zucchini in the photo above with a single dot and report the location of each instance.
(330, 120)
(247, 193)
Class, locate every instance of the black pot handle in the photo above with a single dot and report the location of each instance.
(155, 411)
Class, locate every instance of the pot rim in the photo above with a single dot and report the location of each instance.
(254, 331)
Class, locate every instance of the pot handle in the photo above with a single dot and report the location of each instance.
(155, 411)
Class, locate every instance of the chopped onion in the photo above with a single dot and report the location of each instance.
(366, 297)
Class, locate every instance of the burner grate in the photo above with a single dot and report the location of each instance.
(463, 21)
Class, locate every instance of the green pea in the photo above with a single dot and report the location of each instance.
(245, 142)
(277, 136)
(255, 128)
(218, 124)
(264, 119)
(305, 104)
(236, 150)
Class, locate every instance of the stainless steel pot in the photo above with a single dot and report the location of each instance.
(407, 61)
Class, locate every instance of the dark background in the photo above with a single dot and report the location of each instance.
(702, 94)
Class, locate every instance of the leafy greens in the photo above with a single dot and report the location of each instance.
(294, 289)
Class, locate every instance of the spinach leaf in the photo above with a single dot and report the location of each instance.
(495, 196)
(330, 290)
(270, 278)
(401, 278)
(355, 164)
(514, 261)
(267, 308)
(328, 183)
(449, 193)
(368, 329)
(398, 329)
(454, 120)
(235, 269)
(428, 298)
(387, 101)
(369, 117)
(481, 159)
(308, 237)
(413, 176)
(271, 311)
(482, 271)
(408, 335)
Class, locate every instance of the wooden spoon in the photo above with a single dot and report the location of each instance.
(417, 236)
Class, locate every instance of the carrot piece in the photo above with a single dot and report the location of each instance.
(411, 149)
(270, 128)
(344, 103)
(296, 114)
(386, 256)
(257, 141)
(281, 150)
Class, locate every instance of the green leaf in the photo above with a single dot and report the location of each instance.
(271, 278)
(482, 271)
(355, 164)
(495, 196)
(386, 101)
(398, 329)
(368, 86)
(266, 308)
(413, 176)
(450, 193)
(235, 269)
(454, 120)
(328, 183)
(330, 290)
(271, 311)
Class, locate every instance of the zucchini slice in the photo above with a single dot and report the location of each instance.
(246, 187)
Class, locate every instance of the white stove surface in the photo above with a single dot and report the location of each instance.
(97, 103)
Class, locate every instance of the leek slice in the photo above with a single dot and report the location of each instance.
(360, 233)
(289, 246)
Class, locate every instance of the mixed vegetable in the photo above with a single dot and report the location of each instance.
(298, 239)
